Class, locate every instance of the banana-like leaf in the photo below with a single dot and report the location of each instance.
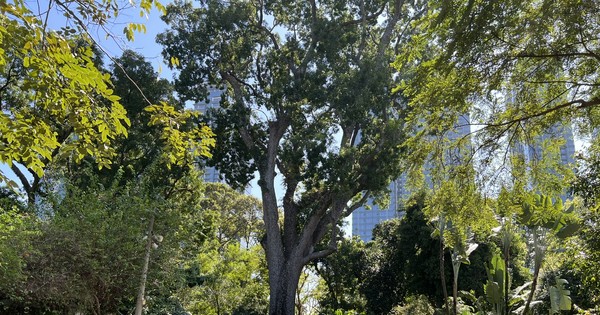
(560, 299)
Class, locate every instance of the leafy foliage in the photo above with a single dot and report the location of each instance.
(55, 102)
(228, 273)
(343, 275)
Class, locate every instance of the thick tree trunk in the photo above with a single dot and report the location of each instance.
(139, 304)
(283, 287)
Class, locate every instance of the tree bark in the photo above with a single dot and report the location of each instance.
(531, 293)
(139, 304)
(536, 274)
(283, 288)
(443, 275)
(455, 293)
(538, 259)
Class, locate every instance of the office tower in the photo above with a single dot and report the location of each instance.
(534, 151)
(363, 220)
(211, 175)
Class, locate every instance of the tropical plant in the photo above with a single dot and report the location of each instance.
(544, 218)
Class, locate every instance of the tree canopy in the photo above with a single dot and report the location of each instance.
(307, 95)
(58, 103)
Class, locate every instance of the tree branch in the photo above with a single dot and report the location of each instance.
(24, 182)
(239, 98)
(556, 55)
(113, 59)
(363, 19)
(315, 220)
(331, 248)
(582, 105)
(313, 37)
(387, 33)
(290, 208)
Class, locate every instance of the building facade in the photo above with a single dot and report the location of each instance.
(364, 219)
(534, 151)
(211, 175)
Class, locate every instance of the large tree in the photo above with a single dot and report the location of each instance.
(307, 96)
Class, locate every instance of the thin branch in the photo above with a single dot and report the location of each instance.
(387, 33)
(595, 55)
(371, 17)
(313, 37)
(582, 105)
(556, 55)
(562, 82)
(357, 204)
(23, 180)
(238, 95)
(46, 21)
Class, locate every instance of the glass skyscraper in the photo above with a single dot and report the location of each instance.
(365, 219)
(211, 175)
(534, 151)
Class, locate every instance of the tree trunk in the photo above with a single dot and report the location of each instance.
(538, 259)
(443, 275)
(283, 287)
(455, 293)
(506, 274)
(139, 304)
(536, 274)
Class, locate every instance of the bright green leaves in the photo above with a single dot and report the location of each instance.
(494, 287)
(462, 206)
(518, 68)
(182, 146)
(174, 62)
(540, 210)
(56, 103)
(131, 28)
(560, 299)
(16, 231)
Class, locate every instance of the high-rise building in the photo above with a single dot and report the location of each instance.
(364, 219)
(534, 151)
(211, 175)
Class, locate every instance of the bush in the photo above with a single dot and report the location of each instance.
(414, 305)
